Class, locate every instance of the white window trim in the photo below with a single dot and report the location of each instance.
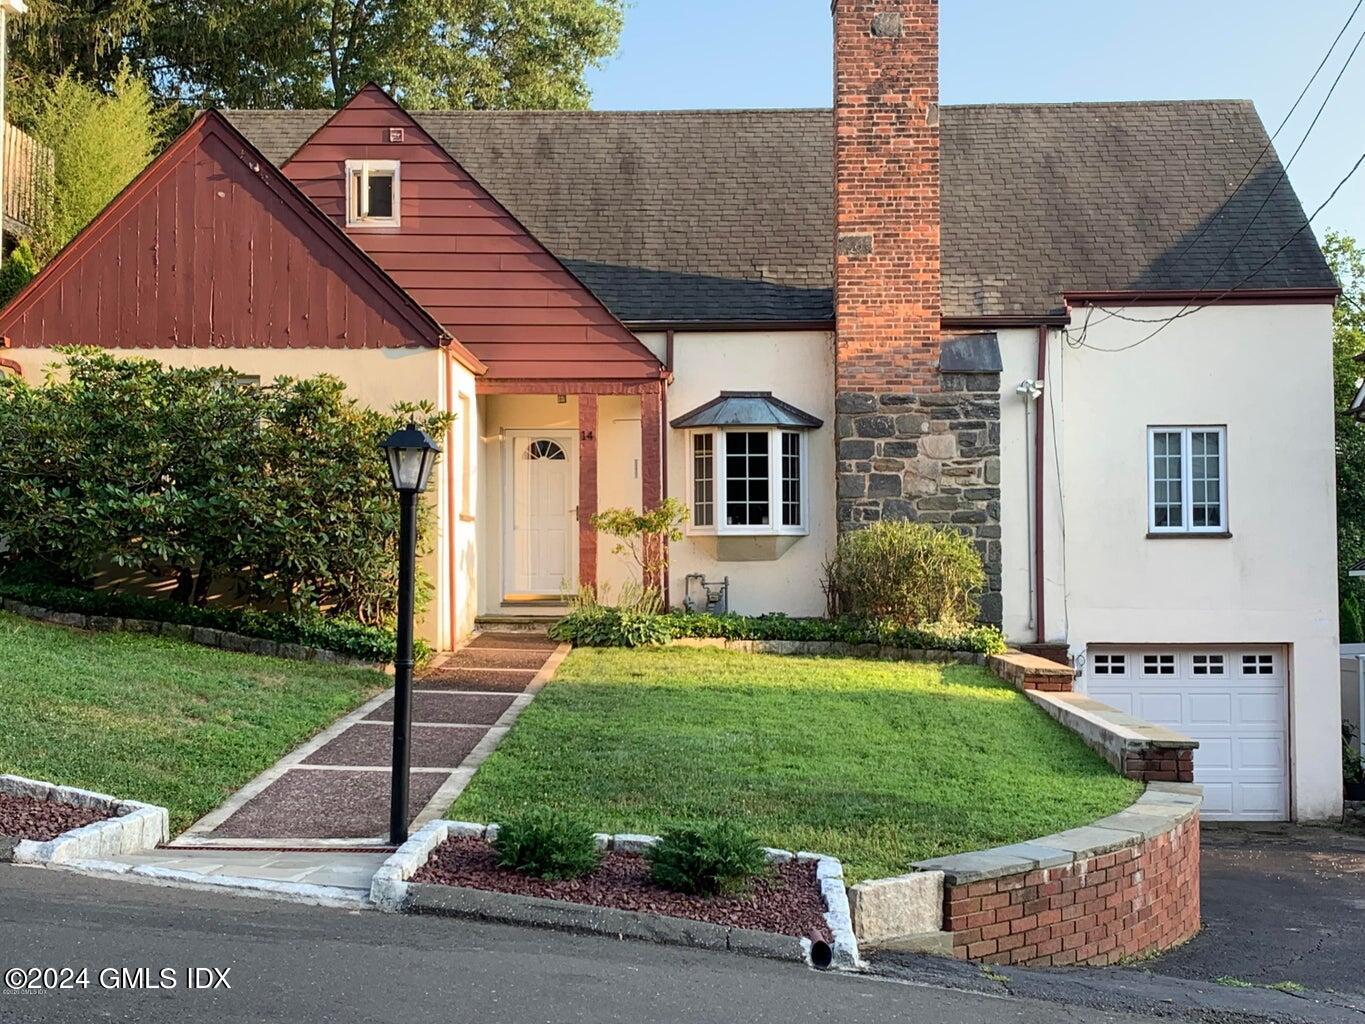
(1186, 490)
(719, 491)
(366, 167)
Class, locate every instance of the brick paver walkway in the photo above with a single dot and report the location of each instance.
(336, 787)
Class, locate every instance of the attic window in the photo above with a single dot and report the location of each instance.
(372, 198)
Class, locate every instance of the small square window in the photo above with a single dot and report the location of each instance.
(1158, 664)
(1258, 664)
(372, 194)
(1209, 665)
(1111, 664)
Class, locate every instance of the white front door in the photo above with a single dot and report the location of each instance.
(541, 537)
(1233, 700)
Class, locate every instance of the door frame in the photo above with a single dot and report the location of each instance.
(568, 440)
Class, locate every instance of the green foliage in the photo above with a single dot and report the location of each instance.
(339, 634)
(547, 844)
(99, 142)
(193, 475)
(1352, 756)
(613, 627)
(643, 538)
(478, 54)
(1352, 626)
(905, 572)
(1347, 259)
(706, 860)
(18, 270)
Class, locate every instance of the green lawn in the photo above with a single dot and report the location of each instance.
(157, 720)
(877, 763)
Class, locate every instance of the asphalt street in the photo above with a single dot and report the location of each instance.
(308, 964)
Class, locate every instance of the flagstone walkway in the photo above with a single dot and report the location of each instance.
(334, 790)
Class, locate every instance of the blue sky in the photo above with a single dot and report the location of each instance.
(776, 53)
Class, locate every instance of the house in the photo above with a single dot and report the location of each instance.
(1047, 325)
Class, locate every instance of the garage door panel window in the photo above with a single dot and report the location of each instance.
(1158, 664)
(1209, 665)
(1111, 665)
(1258, 664)
(1187, 480)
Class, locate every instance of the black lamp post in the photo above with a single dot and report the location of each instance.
(411, 454)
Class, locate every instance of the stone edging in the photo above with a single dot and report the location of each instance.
(837, 648)
(391, 890)
(1012, 904)
(201, 635)
(134, 828)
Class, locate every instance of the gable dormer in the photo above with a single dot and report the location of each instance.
(458, 251)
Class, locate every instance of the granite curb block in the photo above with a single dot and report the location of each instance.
(1162, 808)
(392, 890)
(133, 828)
(291, 892)
(201, 635)
(834, 648)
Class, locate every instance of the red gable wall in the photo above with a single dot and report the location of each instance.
(460, 254)
(210, 247)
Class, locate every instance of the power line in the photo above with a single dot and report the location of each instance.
(1257, 163)
(1190, 311)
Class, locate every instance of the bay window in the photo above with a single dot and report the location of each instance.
(748, 481)
(746, 460)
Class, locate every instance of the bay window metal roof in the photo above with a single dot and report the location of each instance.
(747, 409)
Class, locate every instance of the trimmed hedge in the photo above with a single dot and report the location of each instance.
(613, 627)
(340, 635)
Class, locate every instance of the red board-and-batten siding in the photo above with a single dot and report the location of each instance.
(468, 261)
(210, 246)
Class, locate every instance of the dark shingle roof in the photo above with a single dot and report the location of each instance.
(728, 215)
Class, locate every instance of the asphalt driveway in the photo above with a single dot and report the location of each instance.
(1281, 904)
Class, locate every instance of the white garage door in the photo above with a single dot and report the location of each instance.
(1233, 700)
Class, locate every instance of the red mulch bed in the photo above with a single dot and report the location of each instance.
(41, 820)
(786, 900)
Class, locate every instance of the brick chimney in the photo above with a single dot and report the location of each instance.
(919, 418)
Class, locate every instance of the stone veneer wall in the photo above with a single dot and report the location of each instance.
(932, 457)
(1134, 900)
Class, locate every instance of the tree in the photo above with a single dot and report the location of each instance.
(19, 268)
(1347, 259)
(99, 143)
(450, 54)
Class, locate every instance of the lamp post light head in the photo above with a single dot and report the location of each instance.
(411, 454)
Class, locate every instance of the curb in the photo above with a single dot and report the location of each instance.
(392, 891)
(262, 888)
(134, 828)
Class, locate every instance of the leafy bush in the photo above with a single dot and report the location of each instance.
(1352, 624)
(339, 634)
(1352, 760)
(643, 538)
(18, 270)
(612, 627)
(547, 844)
(906, 572)
(706, 860)
(192, 475)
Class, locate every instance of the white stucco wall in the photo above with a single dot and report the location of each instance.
(797, 367)
(378, 378)
(1265, 373)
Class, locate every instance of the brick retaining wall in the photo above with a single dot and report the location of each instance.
(1134, 900)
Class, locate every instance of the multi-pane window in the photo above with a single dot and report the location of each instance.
(372, 193)
(1258, 664)
(704, 479)
(1110, 664)
(1187, 480)
(1158, 664)
(791, 478)
(747, 480)
(1209, 664)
